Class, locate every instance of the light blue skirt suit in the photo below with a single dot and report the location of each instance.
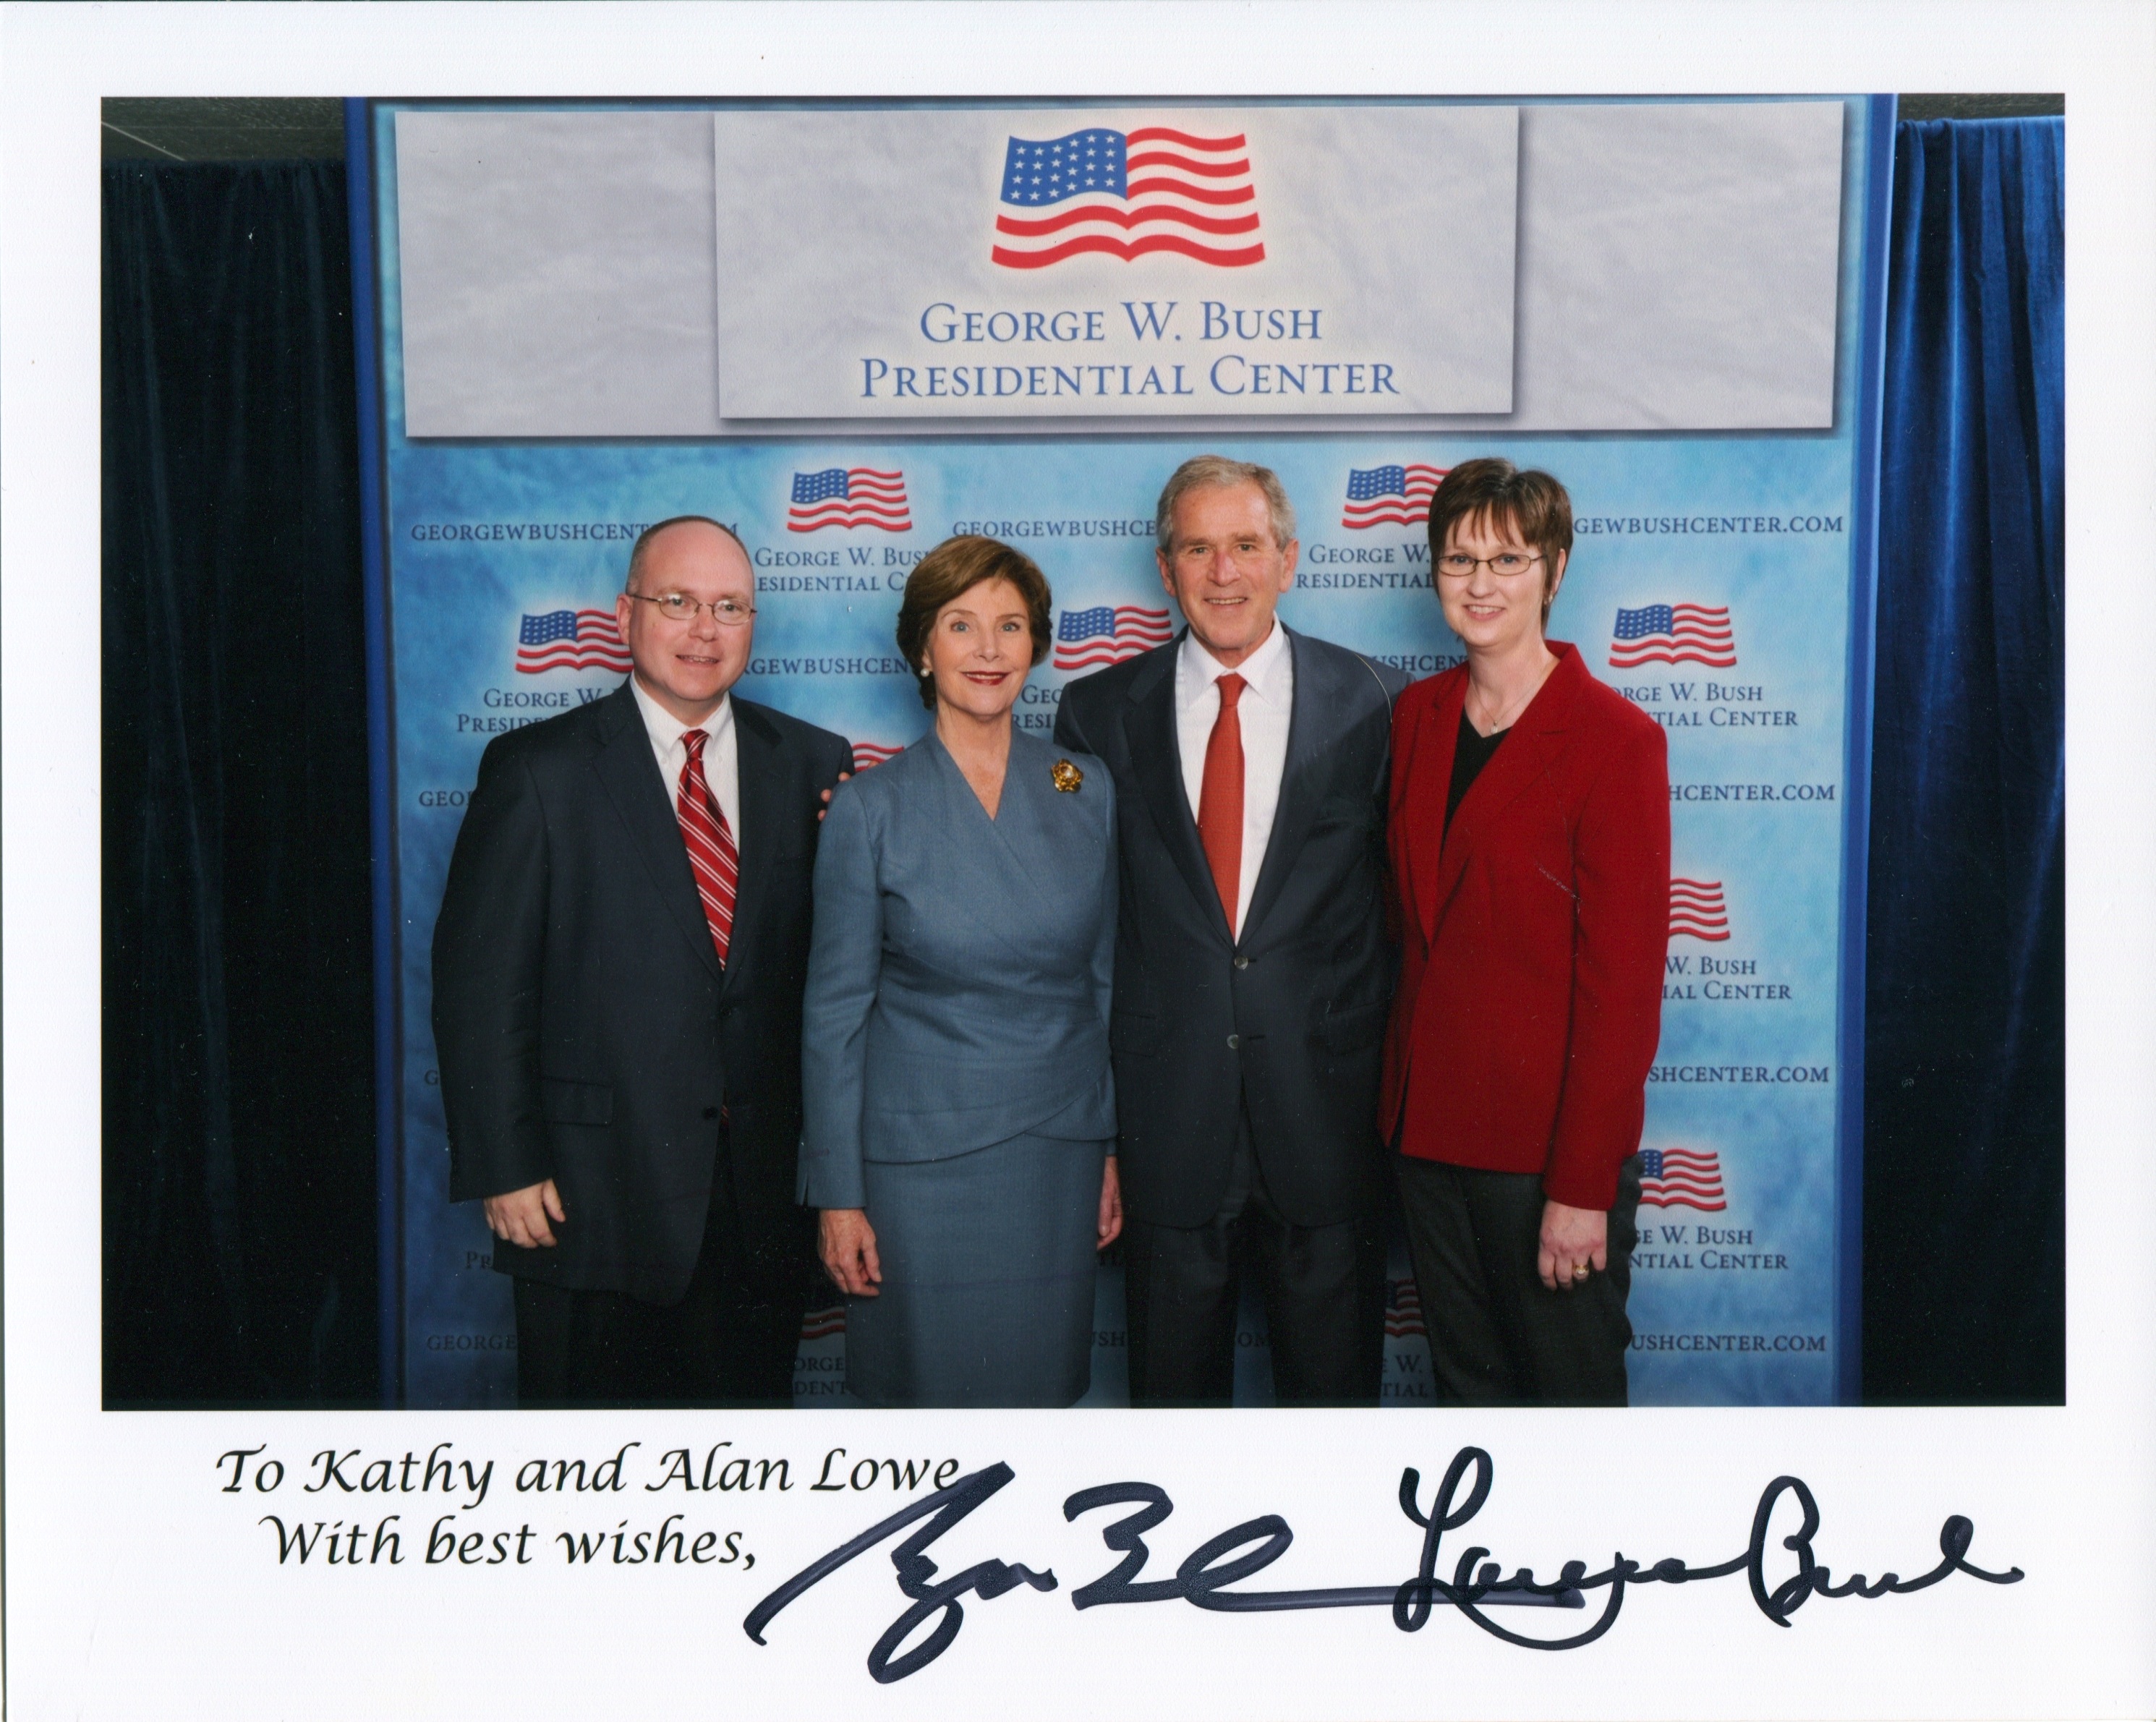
(955, 1070)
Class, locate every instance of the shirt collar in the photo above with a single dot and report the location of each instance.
(665, 730)
(1265, 671)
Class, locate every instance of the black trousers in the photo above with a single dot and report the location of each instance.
(729, 1342)
(1497, 1335)
(1324, 1291)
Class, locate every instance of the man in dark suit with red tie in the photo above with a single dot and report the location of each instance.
(618, 966)
(1252, 972)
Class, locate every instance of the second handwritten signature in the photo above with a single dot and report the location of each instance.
(1203, 1579)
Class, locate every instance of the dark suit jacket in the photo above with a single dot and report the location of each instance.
(1533, 933)
(585, 1031)
(1288, 1020)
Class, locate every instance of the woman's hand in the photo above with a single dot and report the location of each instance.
(847, 1244)
(826, 807)
(1111, 1206)
(1575, 1241)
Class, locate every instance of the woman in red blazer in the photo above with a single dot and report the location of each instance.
(1530, 850)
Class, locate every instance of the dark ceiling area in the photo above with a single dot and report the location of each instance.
(246, 128)
(223, 128)
(1978, 107)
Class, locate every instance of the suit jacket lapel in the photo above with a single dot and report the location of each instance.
(987, 867)
(640, 796)
(1022, 822)
(1429, 783)
(1521, 760)
(1157, 763)
(1316, 696)
(758, 768)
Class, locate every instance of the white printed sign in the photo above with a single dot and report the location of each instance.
(970, 263)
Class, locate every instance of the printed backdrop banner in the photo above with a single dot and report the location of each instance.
(670, 271)
(1721, 582)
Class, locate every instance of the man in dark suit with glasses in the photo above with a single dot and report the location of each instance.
(618, 966)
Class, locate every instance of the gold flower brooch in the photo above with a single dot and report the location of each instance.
(1067, 776)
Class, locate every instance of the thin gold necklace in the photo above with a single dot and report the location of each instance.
(1513, 711)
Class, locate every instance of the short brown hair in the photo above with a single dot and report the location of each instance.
(1533, 504)
(950, 571)
(1217, 470)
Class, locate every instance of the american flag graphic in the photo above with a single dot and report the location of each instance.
(1696, 910)
(1403, 1310)
(1673, 633)
(822, 1323)
(1390, 495)
(1126, 194)
(873, 753)
(570, 639)
(1086, 639)
(849, 497)
(1679, 1178)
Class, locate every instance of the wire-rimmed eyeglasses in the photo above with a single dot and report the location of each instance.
(1458, 565)
(679, 607)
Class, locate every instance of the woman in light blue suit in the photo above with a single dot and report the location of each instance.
(960, 1117)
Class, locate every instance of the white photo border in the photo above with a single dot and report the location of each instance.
(139, 1587)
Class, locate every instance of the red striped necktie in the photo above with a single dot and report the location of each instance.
(712, 855)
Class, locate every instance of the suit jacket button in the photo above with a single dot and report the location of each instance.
(1235, 1041)
(1242, 962)
(710, 1112)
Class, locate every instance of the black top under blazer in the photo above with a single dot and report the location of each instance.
(1289, 1020)
(584, 1029)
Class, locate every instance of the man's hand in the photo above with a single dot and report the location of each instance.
(826, 807)
(1574, 1241)
(1111, 1206)
(519, 1218)
(847, 1244)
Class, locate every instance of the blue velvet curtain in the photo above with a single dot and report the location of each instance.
(1965, 1033)
(238, 1158)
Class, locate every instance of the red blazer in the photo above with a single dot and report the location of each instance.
(1532, 935)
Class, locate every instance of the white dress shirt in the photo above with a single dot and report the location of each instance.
(1267, 702)
(722, 755)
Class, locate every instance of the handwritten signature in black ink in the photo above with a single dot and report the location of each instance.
(1203, 1579)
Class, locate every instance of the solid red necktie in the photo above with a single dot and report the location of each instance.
(1220, 799)
(712, 857)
